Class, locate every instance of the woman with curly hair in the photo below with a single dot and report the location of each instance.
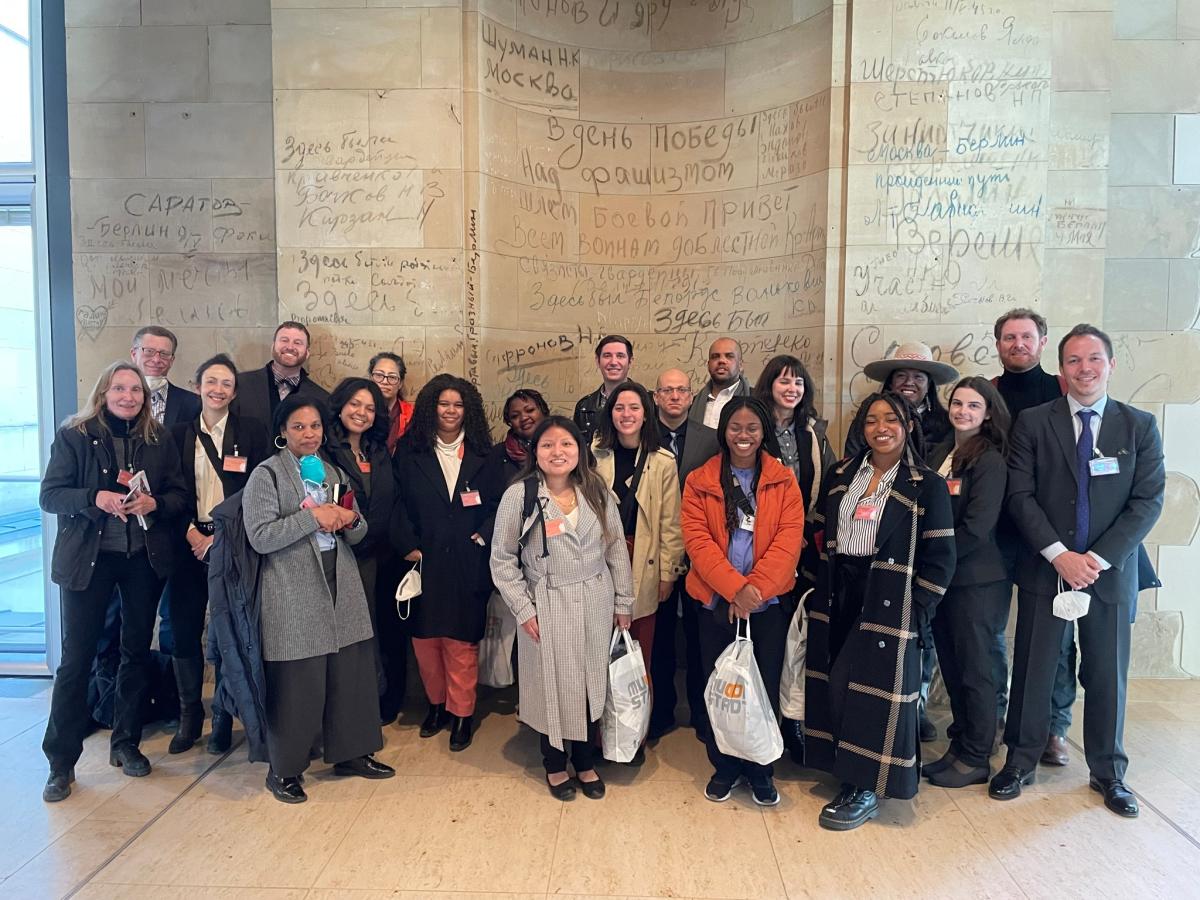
(438, 521)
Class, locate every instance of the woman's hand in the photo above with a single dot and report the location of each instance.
(346, 517)
(412, 556)
(622, 620)
(530, 627)
(112, 503)
(199, 543)
(745, 601)
(141, 504)
(664, 590)
(328, 516)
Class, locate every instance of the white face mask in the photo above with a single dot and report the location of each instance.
(156, 382)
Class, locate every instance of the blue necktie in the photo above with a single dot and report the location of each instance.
(1083, 455)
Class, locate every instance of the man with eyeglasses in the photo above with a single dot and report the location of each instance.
(693, 443)
(260, 391)
(153, 353)
(388, 371)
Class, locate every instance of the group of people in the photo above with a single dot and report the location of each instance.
(646, 510)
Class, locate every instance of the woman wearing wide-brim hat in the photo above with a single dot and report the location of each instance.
(911, 371)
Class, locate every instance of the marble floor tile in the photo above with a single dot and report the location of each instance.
(425, 833)
(666, 840)
(68, 861)
(95, 891)
(355, 894)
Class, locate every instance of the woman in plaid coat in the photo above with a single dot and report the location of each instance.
(885, 532)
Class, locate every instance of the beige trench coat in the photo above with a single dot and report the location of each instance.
(574, 593)
(658, 537)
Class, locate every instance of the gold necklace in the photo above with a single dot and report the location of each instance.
(565, 505)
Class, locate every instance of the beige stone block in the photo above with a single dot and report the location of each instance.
(108, 140)
(1156, 367)
(206, 12)
(897, 123)
(456, 4)
(547, 295)
(318, 4)
(554, 360)
(1001, 40)
(1188, 20)
(441, 48)
(1154, 221)
(416, 129)
(1180, 519)
(1142, 149)
(652, 86)
(594, 157)
(168, 64)
(1135, 294)
(1078, 203)
(1083, 5)
(588, 23)
(243, 219)
(441, 213)
(1079, 130)
(502, 11)
(322, 130)
(804, 9)
(1183, 306)
(215, 140)
(1073, 286)
(794, 140)
(494, 150)
(349, 208)
(999, 122)
(351, 48)
(131, 215)
(689, 27)
(82, 13)
(239, 62)
(110, 289)
(1082, 51)
(507, 65)
(335, 287)
(872, 42)
(211, 290)
(777, 68)
(1161, 77)
(339, 352)
(1145, 19)
(1155, 644)
(522, 221)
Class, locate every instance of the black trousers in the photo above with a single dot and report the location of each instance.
(1104, 640)
(964, 629)
(187, 590)
(583, 755)
(391, 637)
(323, 698)
(664, 661)
(83, 615)
(768, 631)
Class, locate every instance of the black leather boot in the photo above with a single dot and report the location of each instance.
(189, 678)
(460, 733)
(222, 733)
(435, 720)
(793, 739)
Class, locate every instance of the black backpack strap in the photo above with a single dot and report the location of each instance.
(528, 505)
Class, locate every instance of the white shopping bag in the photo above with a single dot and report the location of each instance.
(739, 712)
(495, 650)
(791, 683)
(626, 717)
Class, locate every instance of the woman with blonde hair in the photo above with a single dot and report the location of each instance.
(115, 484)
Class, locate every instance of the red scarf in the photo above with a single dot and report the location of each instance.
(516, 448)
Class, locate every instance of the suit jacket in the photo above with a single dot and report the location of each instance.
(182, 405)
(256, 396)
(699, 446)
(377, 503)
(1123, 507)
(976, 510)
(247, 435)
(700, 402)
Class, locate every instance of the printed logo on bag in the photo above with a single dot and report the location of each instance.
(639, 692)
(727, 696)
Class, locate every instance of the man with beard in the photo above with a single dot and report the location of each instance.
(261, 390)
(726, 381)
(614, 358)
(153, 353)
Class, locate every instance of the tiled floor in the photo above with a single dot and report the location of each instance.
(479, 824)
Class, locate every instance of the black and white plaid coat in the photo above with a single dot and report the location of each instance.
(876, 744)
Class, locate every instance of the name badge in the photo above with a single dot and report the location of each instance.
(234, 464)
(865, 512)
(1104, 465)
(470, 498)
(954, 486)
(555, 527)
(745, 522)
(364, 467)
(123, 478)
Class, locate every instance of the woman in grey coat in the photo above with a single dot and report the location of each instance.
(316, 630)
(563, 569)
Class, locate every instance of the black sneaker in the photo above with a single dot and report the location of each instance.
(718, 791)
(763, 790)
(58, 785)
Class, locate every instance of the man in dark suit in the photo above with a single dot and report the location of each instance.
(614, 359)
(260, 390)
(1085, 486)
(693, 443)
(153, 353)
(725, 381)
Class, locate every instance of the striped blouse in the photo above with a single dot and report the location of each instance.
(856, 537)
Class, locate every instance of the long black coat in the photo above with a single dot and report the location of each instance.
(248, 436)
(455, 576)
(877, 744)
(377, 504)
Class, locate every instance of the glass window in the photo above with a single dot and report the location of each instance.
(16, 107)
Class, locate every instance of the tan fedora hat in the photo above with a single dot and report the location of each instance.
(911, 355)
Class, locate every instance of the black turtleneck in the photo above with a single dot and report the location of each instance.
(1023, 390)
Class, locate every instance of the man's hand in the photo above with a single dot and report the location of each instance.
(1077, 570)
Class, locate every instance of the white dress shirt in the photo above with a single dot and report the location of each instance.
(209, 490)
(712, 412)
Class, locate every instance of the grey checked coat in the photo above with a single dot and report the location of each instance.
(299, 618)
(876, 746)
(574, 593)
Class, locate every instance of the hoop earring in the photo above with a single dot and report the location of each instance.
(279, 446)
